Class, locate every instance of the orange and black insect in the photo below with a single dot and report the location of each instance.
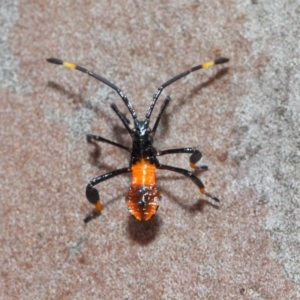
(143, 198)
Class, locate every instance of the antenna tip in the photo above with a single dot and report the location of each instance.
(221, 60)
(55, 61)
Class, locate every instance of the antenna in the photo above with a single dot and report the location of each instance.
(98, 77)
(205, 65)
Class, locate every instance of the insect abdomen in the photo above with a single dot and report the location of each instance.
(143, 198)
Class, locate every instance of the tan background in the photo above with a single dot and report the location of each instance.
(243, 116)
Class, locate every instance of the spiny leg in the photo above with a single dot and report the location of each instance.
(98, 77)
(122, 117)
(205, 65)
(162, 109)
(194, 158)
(192, 176)
(93, 196)
(90, 137)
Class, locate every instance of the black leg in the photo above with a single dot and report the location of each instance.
(92, 194)
(162, 109)
(192, 176)
(122, 117)
(90, 137)
(194, 158)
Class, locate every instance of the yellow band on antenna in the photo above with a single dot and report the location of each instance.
(208, 64)
(69, 65)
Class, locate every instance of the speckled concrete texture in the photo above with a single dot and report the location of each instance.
(243, 116)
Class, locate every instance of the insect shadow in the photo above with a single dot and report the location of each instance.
(193, 208)
(76, 98)
(143, 232)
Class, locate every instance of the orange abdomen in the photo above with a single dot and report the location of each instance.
(143, 198)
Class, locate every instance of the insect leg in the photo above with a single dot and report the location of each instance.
(162, 109)
(122, 117)
(189, 174)
(92, 194)
(194, 158)
(91, 137)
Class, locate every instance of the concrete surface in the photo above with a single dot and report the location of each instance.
(243, 116)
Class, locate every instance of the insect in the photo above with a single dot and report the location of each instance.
(143, 198)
